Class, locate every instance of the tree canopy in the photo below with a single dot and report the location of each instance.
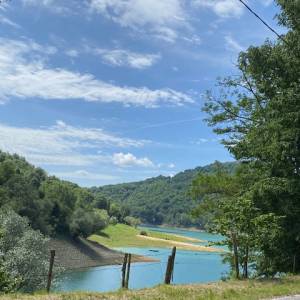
(51, 205)
(258, 114)
(160, 199)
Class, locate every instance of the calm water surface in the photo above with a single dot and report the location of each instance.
(190, 267)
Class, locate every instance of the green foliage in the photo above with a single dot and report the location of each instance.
(158, 200)
(85, 222)
(50, 204)
(113, 220)
(7, 283)
(258, 114)
(132, 221)
(24, 254)
(229, 207)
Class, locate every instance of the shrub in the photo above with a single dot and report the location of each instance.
(131, 221)
(24, 254)
(85, 222)
(113, 221)
(143, 232)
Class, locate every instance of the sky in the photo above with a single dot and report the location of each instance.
(107, 91)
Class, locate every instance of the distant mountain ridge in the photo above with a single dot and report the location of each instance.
(162, 199)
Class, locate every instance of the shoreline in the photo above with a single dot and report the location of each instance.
(183, 245)
(191, 229)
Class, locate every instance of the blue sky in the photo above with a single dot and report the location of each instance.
(108, 91)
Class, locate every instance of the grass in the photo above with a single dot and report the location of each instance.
(231, 290)
(121, 235)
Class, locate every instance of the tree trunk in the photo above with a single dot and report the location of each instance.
(235, 255)
(245, 267)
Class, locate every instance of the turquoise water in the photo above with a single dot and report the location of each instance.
(190, 267)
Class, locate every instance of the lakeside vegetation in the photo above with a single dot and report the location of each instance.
(233, 290)
(121, 235)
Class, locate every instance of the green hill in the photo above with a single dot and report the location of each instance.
(51, 205)
(160, 200)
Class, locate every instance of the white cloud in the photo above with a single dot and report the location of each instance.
(233, 45)
(61, 144)
(72, 53)
(128, 160)
(161, 18)
(85, 175)
(24, 74)
(222, 8)
(125, 58)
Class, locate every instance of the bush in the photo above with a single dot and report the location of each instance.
(113, 221)
(7, 283)
(131, 221)
(24, 254)
(143, 232)
(85, 222)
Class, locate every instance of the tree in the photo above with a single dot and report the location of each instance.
(131, 221)
(258, 114)
(101, 202)
(85, 222)
(227, 204)
(24, 253)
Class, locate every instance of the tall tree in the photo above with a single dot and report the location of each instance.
(227, 203)
(258, 113)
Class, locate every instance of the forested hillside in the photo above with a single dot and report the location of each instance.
(160, 200)
(52, 206)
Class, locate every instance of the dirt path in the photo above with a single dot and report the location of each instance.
(182, 245)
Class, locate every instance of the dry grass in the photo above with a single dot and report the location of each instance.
(231, 290)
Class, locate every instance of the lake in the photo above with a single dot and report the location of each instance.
(190, 267)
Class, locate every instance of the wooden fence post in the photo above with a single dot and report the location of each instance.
(168, 271)
(124, 269)
(294, 264)
(51, 263)
(173, 261)
(128, 271)
(170, 266)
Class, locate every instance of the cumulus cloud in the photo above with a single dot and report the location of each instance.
(129, 160)
(222, 8)
(61, 144)
(125, 58)
(25, 74)
(161, 18)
